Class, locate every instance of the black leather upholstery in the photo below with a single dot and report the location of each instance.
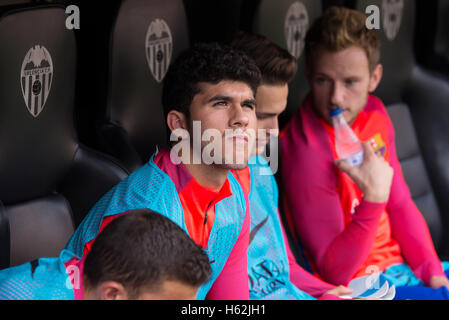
(441, 39)
(338, 3)
(414, 170)
(22, 137)
(134, 120)
(91, 175)
(441, 42)
(427, 95)
(49, 181)
(204, 24)
(4, 238)
(417, 103)
(432, 45)
(39, 228)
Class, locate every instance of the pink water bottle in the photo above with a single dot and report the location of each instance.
(349, 147)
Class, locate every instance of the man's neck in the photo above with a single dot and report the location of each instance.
(209, 176)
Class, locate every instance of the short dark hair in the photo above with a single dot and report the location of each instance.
(142, 249)
(210, 63)
(276, 64)
(340, 28)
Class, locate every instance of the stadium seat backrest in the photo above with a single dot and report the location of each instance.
(441, 39)
(37, 80)
(285, 22)
(432, 46)
(39, 151)
(146, 38)
(414, 169)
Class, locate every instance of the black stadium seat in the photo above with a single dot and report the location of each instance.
(204, 26)
(417, 103)
(48, 180)
(432, 45)
(146, 37)
(441, 44)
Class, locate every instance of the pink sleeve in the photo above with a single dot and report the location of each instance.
(233, 282)
(337, 251)
(302, 279)
(408, 225)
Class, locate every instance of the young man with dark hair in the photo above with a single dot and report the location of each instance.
(124, 263)
(272, 268)
(352, 221)
(215, 87)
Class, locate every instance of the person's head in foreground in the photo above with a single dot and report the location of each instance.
(144, 255)
(342, 62)
(278, 68)
(209, 93)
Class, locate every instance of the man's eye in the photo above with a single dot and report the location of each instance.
(351, 82)
(321, 80)
(220, 103)
(265, 116)
(248, 105)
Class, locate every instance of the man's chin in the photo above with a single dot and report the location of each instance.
(260, 149)
(233, 166)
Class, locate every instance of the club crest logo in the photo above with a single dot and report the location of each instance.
(378, 145)
(36, 77)
(295, 28)
(392, 11)
(158, 46)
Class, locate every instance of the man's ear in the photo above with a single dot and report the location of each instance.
(111, 290)
(176, 120)
(375, 78)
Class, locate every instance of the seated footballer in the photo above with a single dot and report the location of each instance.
(141, 255)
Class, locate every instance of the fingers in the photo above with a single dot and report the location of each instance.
(344, 290)
(437, 282)
(340, 291)
(343, 166)
(368, 153)
(371, 299)
(367, 150)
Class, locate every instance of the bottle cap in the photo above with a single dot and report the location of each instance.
(335, 112)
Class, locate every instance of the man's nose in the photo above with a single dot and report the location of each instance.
(239, 118)
(338, 94)
(271, 124)
(274, 124)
